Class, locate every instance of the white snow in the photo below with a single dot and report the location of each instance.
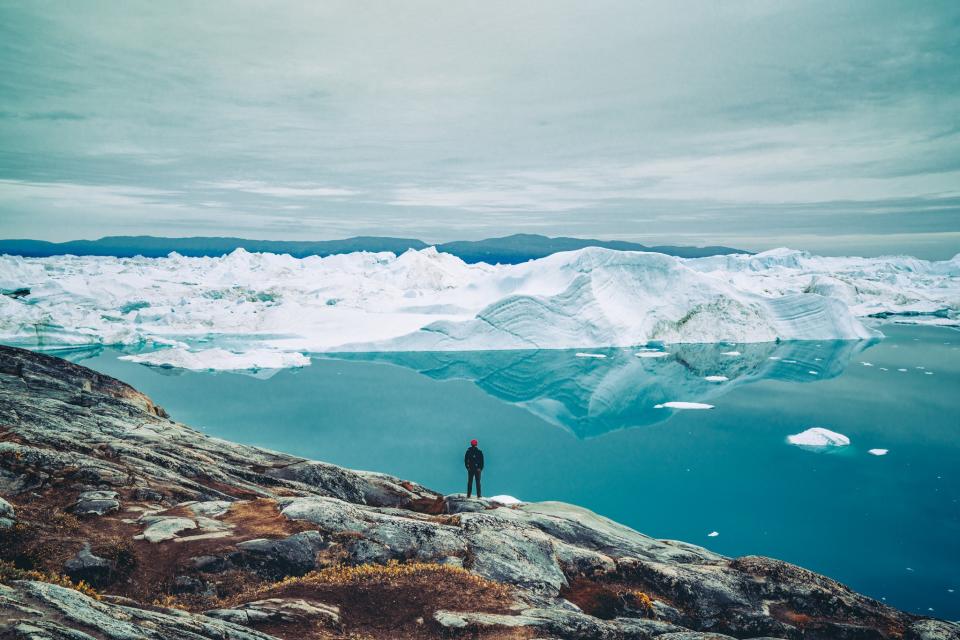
(505, 499)
(426, 300)
(683, 405)
(716, 378)
(213, 359)
(819, 437)
(878, 452)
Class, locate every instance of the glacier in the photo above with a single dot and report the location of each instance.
(430, 301)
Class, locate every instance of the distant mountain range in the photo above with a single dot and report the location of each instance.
(506, 250)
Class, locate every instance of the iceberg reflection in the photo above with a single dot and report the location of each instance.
(592, 396)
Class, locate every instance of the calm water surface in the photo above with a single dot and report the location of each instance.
(555, 426)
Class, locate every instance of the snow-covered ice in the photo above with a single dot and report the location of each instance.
(683, 405)
(426, 300)
(878, 452)
(819, 437)
(505, 499)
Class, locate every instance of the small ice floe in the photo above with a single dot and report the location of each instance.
(716, 378)
(902, 370)
(878, 452)
(884, 369)
(919, 367)
(683, 405)
(505, 499)
(652, 354)
(582, 354)
(813, 373)
(713, 534)
(867, 364)
(730, 353)
(949, 590)
(790, 361)
(928, 373)
(773, 358)
(909, 568)
(819, 437)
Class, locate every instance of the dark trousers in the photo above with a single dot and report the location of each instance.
(471, 474)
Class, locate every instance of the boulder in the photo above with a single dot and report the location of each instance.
(933, 630)
(90, 568)
(274, 610)
(275, 559)
(96, 503)
(7, 514)
(163, 528)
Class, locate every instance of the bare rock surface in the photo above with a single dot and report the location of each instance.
(118, 482)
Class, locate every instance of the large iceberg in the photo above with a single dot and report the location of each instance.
(426, 300)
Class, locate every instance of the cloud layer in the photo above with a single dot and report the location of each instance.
(822, 125)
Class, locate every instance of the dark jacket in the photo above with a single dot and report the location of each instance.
(473, 459)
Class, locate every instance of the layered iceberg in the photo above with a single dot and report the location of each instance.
(426, 300)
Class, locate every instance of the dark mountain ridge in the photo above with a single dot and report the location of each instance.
(511, 249)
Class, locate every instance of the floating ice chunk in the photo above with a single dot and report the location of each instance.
(716, 378)
(878, 452)
(683, 405)
(220, 359)
(884, 369)
(819, 437)
(773, 358)
(904, 370)
(582, 354)
(730, 353)
(813, 373)
(652, 354)
(713, 534)
(867, 364)
(505, 499)
(928, 373)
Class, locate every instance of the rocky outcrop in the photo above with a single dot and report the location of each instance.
(7, 514)
(112, 491)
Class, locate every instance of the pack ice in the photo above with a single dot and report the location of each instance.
(426, 300)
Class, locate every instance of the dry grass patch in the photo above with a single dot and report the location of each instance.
(9, 573)
(608, 601)
(261, 518)
(393, 600)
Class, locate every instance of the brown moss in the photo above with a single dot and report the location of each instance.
(261, 518)
(608, 601)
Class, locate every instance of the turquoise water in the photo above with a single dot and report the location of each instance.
(555, 426)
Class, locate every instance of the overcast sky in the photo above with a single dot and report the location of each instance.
(830, 126)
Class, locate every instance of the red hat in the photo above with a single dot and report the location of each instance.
(473, 443)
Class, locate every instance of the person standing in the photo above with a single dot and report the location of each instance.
(473, 461)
